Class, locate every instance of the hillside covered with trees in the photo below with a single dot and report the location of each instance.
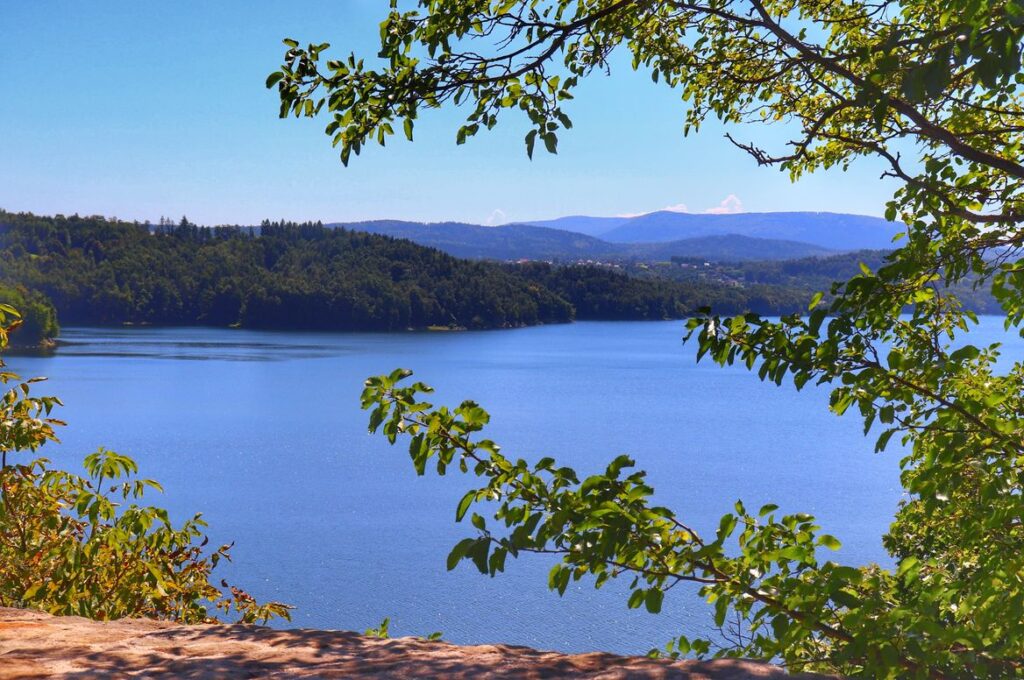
(305, 276)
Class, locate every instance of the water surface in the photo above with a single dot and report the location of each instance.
(261, 431)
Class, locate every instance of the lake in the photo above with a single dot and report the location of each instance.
(262, 432)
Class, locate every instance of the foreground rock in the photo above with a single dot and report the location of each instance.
(35, 645)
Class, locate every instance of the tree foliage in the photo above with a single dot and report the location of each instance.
(931, 89)
(38, 322)
(82, 545)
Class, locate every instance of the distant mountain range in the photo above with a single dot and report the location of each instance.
(651, 237)
(527, 242)
(591, 226)
(834, 231)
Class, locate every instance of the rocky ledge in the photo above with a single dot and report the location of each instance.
(36, 645)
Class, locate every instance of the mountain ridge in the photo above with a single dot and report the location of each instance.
(520, 241)
(583, 224)
(835, 231)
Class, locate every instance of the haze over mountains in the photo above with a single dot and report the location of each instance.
(654, 236)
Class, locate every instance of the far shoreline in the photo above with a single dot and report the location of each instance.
(52, 346)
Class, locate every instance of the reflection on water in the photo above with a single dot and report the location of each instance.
(134, 343)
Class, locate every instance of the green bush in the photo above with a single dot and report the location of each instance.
(82, 545)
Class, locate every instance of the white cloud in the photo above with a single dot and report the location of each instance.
(496, 217)
(731, 204)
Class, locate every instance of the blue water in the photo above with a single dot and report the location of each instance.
(261, 431)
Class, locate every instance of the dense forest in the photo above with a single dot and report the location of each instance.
(291, 276)
(600, 293)
(99, 271)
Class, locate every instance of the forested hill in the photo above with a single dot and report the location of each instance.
(291, 276)
(305, 276)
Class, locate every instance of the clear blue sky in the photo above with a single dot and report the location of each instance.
(140, 109)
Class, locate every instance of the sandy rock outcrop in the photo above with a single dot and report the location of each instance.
(36, 645)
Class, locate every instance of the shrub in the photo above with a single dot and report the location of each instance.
(81, 545)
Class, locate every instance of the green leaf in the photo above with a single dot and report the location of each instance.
(459, 552)
(467, 500)
(830, 542)
(653, 600)
(726, 526)
(531, 137)
(815, 300)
